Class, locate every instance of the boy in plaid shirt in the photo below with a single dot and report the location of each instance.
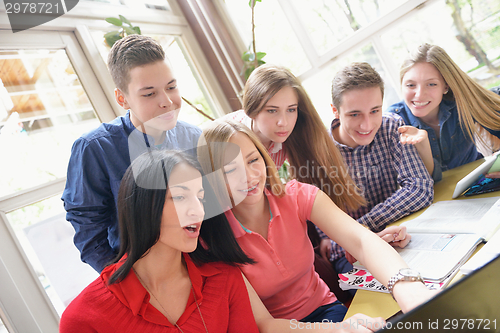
(390, 175)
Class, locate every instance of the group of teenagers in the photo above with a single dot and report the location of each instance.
(194, 230)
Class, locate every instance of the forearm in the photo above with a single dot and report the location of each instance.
(413, 195)
(425, 152)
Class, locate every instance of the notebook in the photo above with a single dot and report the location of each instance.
(475, 182)
(470, 305)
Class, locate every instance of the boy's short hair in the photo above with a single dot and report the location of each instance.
(358, 75)
(130, 52)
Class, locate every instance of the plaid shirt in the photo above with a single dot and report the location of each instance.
(392, 177)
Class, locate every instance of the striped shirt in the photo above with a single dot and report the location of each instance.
(276, 150)
(392, 177)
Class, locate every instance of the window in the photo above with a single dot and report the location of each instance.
(43, 106)
(315, 38)
(190, 85)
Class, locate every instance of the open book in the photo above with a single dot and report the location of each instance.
(443, 238)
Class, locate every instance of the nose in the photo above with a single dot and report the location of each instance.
(196, 209)
(165, 101)
(419, 90)
(282, 121)
(365, 123)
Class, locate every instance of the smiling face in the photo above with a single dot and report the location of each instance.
(245, 174)
(276, 120)
(153, 98)
(183, 211)
(360, 115)
(423, 88)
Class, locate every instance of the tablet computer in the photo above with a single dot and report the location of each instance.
(476, 177)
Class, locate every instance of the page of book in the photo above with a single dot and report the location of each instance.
(458, 216)
(436, 256)
(487, 253)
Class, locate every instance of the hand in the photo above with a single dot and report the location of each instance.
(325, 248)
(411, 135)
(395, 235)
(360, 323)
(493, 175)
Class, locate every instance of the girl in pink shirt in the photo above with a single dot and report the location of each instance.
(269, 222)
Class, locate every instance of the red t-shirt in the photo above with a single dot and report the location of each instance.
(124, 307)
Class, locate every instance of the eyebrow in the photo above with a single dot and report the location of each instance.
(276, 107)
(185, 188)
(151, 87)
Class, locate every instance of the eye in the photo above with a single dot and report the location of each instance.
(292, 110)
(433, 84)
(354, 115)
(375, 111)
(229, 171)
(253, 160)
(271, 110)
(148, 95)
(410, 85)
(178, 198)
(202, 200)
(172, 87)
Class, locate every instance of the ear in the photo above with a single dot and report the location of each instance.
(335, 111)
(121, 99)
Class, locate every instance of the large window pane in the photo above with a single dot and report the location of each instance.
(435, 24)
(43, 109)
(273, 33)
(329, 22)
(319, 86)
(190, 87)
(47, 239)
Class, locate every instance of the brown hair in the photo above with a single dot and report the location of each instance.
(474, 103)
(211, 157)
(130, 52)
(309, 146)
(358, 75)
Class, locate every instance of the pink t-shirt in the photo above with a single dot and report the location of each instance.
(284, 275)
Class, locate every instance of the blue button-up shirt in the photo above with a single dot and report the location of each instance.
(453, 148)
(97, 164)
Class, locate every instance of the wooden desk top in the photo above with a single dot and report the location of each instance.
(377, 304)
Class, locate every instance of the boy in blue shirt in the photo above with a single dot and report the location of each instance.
(147, 88)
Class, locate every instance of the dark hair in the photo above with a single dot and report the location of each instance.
(130, 52)
(358, 75)
(141, 199)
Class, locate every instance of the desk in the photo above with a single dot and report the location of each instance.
(377, 304)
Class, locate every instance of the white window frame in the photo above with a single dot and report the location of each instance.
(24, 305)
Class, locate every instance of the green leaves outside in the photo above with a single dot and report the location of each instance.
(126, 28)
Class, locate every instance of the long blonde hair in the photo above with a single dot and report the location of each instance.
(309, 148)
(475, 104)
(211, 151)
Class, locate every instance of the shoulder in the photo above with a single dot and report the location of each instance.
(391, 121)
(88, 304)
(397, 108)
(295, 188)
(116, 126)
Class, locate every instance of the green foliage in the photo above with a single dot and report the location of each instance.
(249, 62)
(252, 3)
(251, 58)
(126, 28)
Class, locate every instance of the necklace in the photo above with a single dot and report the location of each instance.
(167, 315)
